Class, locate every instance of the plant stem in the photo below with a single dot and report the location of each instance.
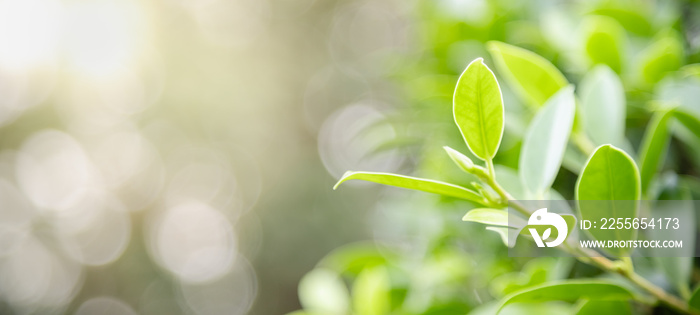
(583, 142)
(590, 257)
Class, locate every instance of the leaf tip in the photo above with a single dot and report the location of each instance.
(342, 179)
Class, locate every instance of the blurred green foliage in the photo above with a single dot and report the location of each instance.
(632, 60)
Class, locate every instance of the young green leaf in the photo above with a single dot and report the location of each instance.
(370, 293)
(322, 291)
(609, 188)
(654, 146)
(478, 109)
(570, 291)
(603, 106)
(464, 162)
(545, 142)
(604, 41)
(533, 77)
(422, 184)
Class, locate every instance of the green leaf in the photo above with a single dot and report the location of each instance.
(663, 56)
(603, 106)
(545, 142)
(653, 148)
(322, 291)
(493, 217)
(570, 291)
(604, 41)
(609, 188)
(464, 162)
(478, 109)
(533, 77)
(422, 184)
(370, 293)
(605, 307)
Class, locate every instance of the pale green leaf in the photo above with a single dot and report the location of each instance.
(603, 106)
(322, 291)
(422, 184)
(493, 217)
(370, 292)
(570, 291)
(608, 187)
(533, 77)
(545, 142)
(464, 162)
(604, 41)
(653, 148)
(478, 109)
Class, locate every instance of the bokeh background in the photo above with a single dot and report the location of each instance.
(178, 156)
(166, 157)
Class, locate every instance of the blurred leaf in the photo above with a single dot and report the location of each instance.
(675, 201)
(611, 177)
(603, 106)
(694, 301)
(604, 41)
(535, 272)
(510, 181)
(653, 148)
(533, 77)
(633, 21)
(545, 142)
(464, 162)
(570, 291)
(353, 258)
(370, 292)
(478, 109)
(664, 55)
(547, 308)
(688, 120)
(427, 185)
(323, 291)
(605, 307)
